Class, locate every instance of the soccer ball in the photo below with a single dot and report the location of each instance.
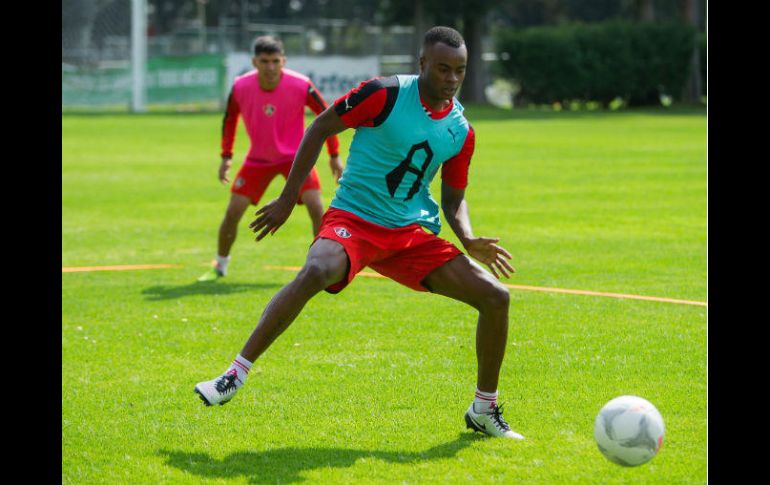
(629, 430)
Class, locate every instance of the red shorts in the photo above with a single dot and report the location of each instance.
(405, 254)
(252, 180)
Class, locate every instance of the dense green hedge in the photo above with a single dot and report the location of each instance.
(703, 54)
(597, 62)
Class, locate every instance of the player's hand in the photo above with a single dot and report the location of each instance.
(485, 250)
(223, 168)
(271, 216)
(336, 166)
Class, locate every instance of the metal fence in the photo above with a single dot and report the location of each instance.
(186, 63)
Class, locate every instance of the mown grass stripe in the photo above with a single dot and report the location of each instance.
(125, 267)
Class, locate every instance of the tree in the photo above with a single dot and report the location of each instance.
(465, 16)
(646, 10)
(692, 90)
(475, 78)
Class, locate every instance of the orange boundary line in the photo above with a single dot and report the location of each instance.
(548, 290)
(118, 268)
(377, 275)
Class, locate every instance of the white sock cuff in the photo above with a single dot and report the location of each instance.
(242, 363)
(486, 396)
(223, 259)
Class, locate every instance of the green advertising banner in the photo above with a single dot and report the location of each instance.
(170, 81)
(106, 87)
(188, 79)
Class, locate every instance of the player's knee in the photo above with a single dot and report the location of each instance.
(317, 275)
(495, 298)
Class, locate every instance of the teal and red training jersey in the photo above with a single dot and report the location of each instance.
(397, 149)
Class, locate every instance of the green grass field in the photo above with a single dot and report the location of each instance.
(370, 386)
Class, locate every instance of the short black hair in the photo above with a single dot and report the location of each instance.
(268, 45)
(446, 35)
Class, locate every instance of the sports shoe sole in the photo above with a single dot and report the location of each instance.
(475, 427)
(472, 425)
(203, 398)
(206, 401)
(211, 275)
(208, 279)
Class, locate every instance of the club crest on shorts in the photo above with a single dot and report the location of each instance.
(239, 182)
(269, 109)
(342, 232)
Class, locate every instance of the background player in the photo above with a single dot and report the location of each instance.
(272, 101)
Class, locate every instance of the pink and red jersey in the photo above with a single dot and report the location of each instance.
(274, 120)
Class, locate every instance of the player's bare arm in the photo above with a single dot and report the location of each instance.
(272, 216)
(483, 249)
(317, 104)
(223, 168)
(336, 166)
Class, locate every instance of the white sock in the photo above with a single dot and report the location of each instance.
(240, 367)
(484, 402)
(222, 263)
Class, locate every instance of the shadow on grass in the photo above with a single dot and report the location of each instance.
(286, 465)
(156, 293)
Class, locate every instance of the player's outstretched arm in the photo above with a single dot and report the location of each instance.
(483, 249)
(272, 216)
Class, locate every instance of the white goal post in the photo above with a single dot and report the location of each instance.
(138, 55)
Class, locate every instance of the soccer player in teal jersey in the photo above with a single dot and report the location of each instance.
(383, 216)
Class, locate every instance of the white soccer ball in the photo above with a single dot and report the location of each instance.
(629, 430)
